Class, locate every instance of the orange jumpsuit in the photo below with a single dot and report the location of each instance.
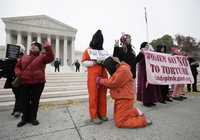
(97, 96)
(122, 91)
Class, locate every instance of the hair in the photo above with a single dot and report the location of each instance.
(143, 45)
(97, 41)
(123, 38)
(159, 47)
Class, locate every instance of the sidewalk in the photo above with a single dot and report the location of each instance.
(173, 121)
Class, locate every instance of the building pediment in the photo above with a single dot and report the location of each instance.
(42, 21)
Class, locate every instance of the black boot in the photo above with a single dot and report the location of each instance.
(21, 123)
(35, 122)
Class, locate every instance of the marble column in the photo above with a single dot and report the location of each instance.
(39, 40)
(19, 38)
(65, 50)
(49, 38)
(72, 50)
(29, 40)
(57, 46)
(8, 37)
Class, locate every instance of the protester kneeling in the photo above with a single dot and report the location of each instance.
(122, 91)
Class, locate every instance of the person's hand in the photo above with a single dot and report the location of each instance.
(147, 84)
(46, 44)
(116, 43)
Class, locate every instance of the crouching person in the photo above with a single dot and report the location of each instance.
(31, 70)
(121, 88)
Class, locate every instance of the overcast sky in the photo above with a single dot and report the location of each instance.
(112, 17)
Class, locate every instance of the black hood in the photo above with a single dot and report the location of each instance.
(97, 41)
(110, 65)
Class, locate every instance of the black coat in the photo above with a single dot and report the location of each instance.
(193, 65)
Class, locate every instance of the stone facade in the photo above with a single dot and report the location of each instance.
(41, 28)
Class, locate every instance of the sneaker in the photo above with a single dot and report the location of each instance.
(35, 122)
(21, 123)
(17, 114)
(103, 118)
(96, 121)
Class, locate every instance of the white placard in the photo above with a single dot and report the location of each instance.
(98, 54)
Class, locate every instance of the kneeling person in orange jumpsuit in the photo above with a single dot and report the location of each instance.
(121, 88)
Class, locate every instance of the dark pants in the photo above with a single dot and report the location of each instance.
(164, 92)
(57, 69)
(77, 69)
(18, 106)
(30, 101)
(194, 85)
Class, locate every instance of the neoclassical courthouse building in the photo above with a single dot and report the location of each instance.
(41, 28)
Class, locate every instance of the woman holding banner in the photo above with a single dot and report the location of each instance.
(148, 94)
(97, 95)
(178, 89)
(164, 89)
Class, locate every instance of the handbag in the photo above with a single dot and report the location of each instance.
(17, 82)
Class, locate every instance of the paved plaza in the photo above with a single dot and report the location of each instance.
(173, 121)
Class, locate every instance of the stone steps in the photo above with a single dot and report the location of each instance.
(49, 101)
(46, 95)
(51, 89)
(60, 87)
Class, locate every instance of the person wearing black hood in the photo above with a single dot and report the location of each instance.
(164, 89)
(97, 95)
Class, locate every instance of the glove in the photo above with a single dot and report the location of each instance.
(46, 44)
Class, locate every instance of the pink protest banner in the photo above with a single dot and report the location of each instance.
(167, 69)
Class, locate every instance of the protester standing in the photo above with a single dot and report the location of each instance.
(97, 96)
(17, 110)
(178, 89)
(193, 66)
(57, 65)
(77, 65)
(31, 70)
(125, 52)
(147, 93)
(164, 89)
